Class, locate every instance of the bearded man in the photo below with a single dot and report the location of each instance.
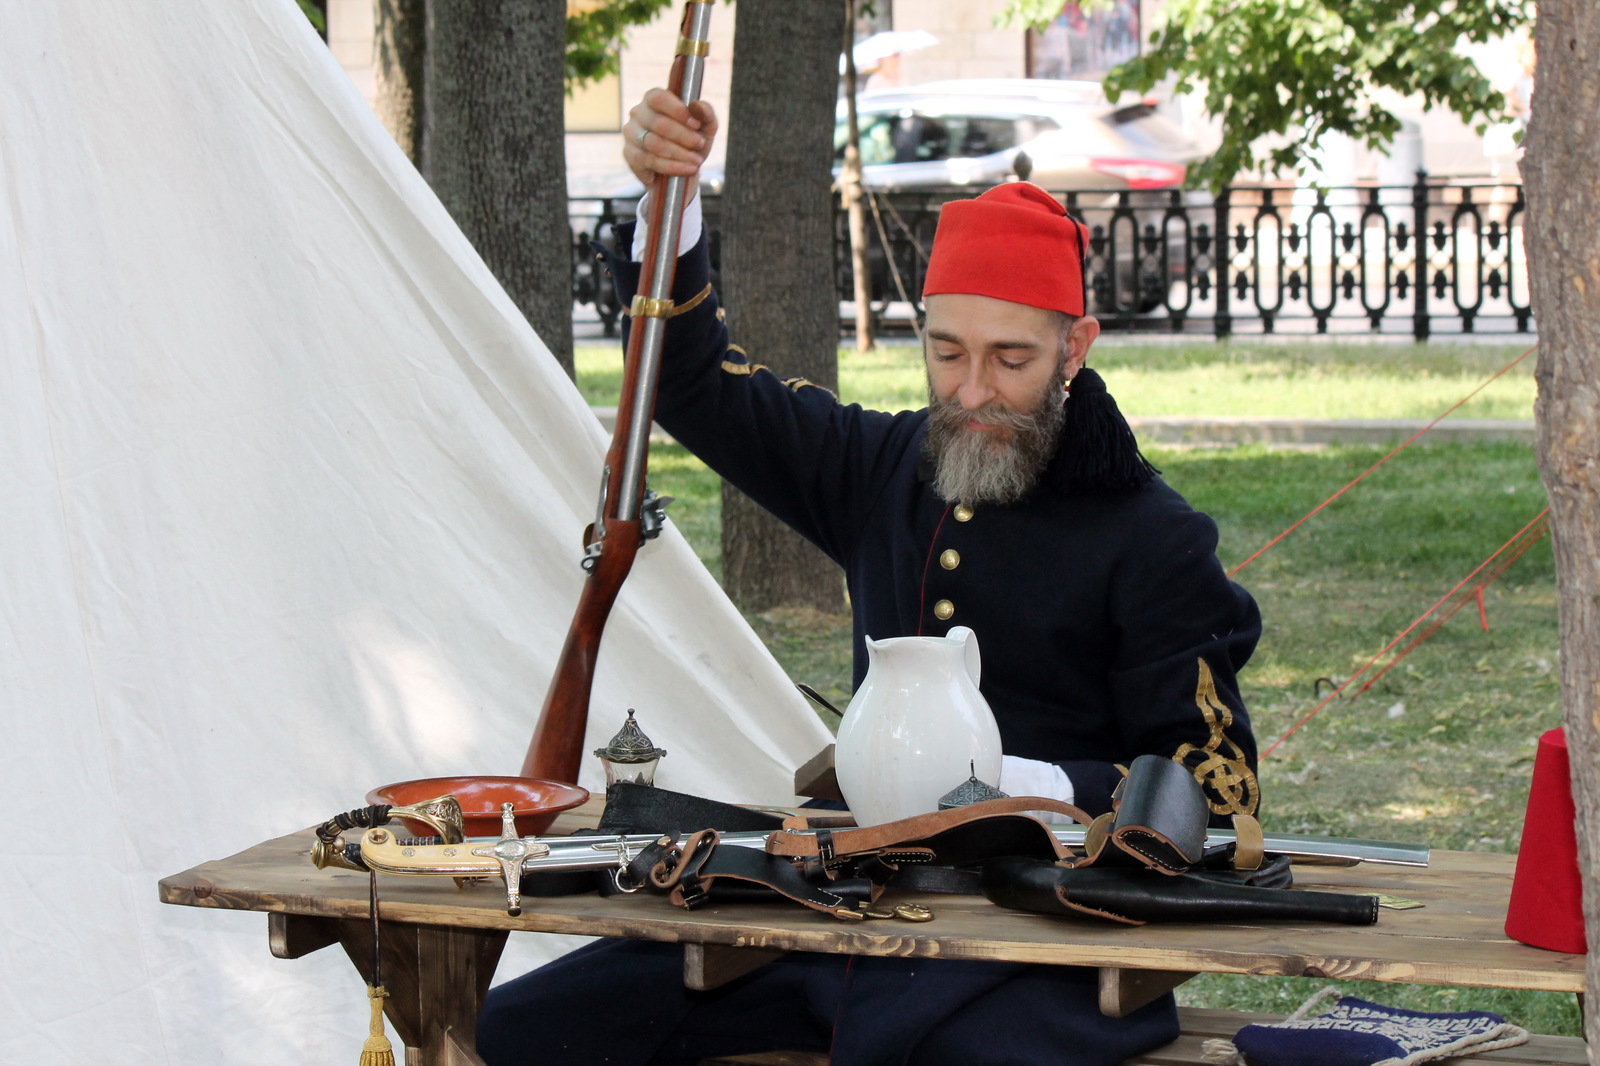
(1017, 504)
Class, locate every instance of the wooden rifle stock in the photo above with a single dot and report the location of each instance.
(625, 515)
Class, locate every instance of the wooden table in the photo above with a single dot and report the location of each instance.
(441, 944)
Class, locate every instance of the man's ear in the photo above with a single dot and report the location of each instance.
(1080, 337)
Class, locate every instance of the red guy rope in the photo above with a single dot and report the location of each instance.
(1536, 520)
(1397, 449)
(1474, 595)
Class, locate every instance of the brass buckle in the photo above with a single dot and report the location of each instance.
(645, 307)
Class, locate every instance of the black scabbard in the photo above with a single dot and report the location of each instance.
(1134, 897)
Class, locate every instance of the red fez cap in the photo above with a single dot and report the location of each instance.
(1016, 243)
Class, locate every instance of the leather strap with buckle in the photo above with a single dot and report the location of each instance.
(1007, 830)
(691, 872)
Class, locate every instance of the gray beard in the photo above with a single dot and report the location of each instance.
(990, 467)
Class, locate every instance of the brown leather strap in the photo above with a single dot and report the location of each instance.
(1250, 846)
(828, 843)
(1099, 830)
(672, 867)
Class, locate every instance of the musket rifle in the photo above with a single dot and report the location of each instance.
(627, 513)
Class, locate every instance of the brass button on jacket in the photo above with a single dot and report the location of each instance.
(943, 610)
(963, 513)
(949, 558)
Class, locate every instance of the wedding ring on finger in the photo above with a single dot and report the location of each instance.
(643, 133)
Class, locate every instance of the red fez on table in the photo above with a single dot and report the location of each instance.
(1015, 242)
(1546, 908)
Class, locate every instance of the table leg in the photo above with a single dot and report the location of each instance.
(1124, 991)
(436, 977)
(708, 966)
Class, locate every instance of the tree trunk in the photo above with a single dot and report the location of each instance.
(1562, 162)
(494, 148)
(400, 31)
(777, 263)
(850, 190)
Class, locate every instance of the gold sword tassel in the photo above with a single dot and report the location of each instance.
(377, 1051)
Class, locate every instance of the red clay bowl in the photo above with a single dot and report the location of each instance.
(535, 803)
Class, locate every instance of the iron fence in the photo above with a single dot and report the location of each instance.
(594, 219)
(1435, 256)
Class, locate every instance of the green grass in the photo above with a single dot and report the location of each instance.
(1451, 730)
(1550, 1013)
(696, 493)
(1440, 749)
(1305, 378)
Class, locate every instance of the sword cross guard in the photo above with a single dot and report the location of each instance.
(510, 851)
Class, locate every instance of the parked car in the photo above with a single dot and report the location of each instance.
(970, 133)
(1121, 158)
(953, 133)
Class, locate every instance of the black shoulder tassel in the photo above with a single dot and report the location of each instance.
(1098, 450)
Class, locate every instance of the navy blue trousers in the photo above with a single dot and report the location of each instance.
(623, 1003)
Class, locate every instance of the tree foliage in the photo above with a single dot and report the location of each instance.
(1298, 69)
(1038, 14)
(319, 21)
(594, 36)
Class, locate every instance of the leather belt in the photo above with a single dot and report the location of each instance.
(690, 869)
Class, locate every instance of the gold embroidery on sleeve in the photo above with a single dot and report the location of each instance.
(745, 368)
(1231, 787)
(796, 384)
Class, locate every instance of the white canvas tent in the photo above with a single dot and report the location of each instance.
(290, 498)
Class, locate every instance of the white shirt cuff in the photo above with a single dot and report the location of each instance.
(1031, 777)
(688, 234)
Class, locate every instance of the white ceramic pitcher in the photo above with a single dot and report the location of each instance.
(916, 728)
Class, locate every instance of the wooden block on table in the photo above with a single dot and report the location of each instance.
(708, 966)
(816, 780)
(294, 936)
(1124, 991)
